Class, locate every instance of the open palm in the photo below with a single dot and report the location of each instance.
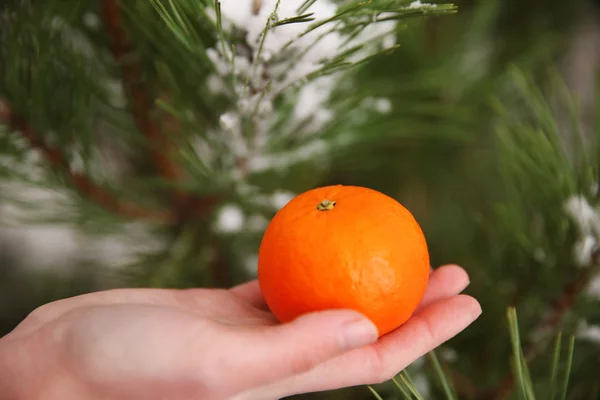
(220, 344)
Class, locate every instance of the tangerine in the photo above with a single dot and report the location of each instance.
(344, 247)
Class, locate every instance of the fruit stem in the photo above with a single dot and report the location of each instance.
(326, 205)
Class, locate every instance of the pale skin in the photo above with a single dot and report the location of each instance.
(215, 344)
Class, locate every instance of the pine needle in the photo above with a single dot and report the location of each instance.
(405, 378)
(374, 392)
(295, 20)
(527, 380)
(272, 17)
(263, 93)
(179, 26)
(178, 17)
(441, 376)
(402, 388)
(221, 33)
(568, 368)
(517, 357)
(305, 6)
(336, 17)
(163, 105)
(555, 360)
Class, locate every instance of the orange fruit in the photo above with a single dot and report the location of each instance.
(344, 247)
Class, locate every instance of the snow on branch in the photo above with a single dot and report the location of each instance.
(83, 184)
(279, 62)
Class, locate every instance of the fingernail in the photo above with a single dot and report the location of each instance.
(477, 311)
(358, 333)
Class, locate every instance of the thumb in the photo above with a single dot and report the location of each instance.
(288, 349)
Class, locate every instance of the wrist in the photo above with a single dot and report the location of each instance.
(12, 369)
(30, 372)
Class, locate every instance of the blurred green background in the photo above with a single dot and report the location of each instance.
(467, 147)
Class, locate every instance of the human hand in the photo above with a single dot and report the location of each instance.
(215, 344)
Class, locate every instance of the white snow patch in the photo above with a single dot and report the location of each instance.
(418, 4)
(583, 250)
(257, 223)
(91, 20)
(588, 222)
(272, 64)
(230, 219)
(588, 332)
(578, 208)
(281, 198)
(383, 105)
(42, 247)
(251, 263)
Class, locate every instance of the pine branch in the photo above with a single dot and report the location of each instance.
(561, 305)
(558, 308)
(161, 145)
(139, 99)
(83, 184)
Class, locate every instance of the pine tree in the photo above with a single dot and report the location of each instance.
(148, 143)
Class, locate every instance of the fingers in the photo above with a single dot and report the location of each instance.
(286, 350)
(250, 292)
(445, 281)
(377, 363)
(426, 330)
